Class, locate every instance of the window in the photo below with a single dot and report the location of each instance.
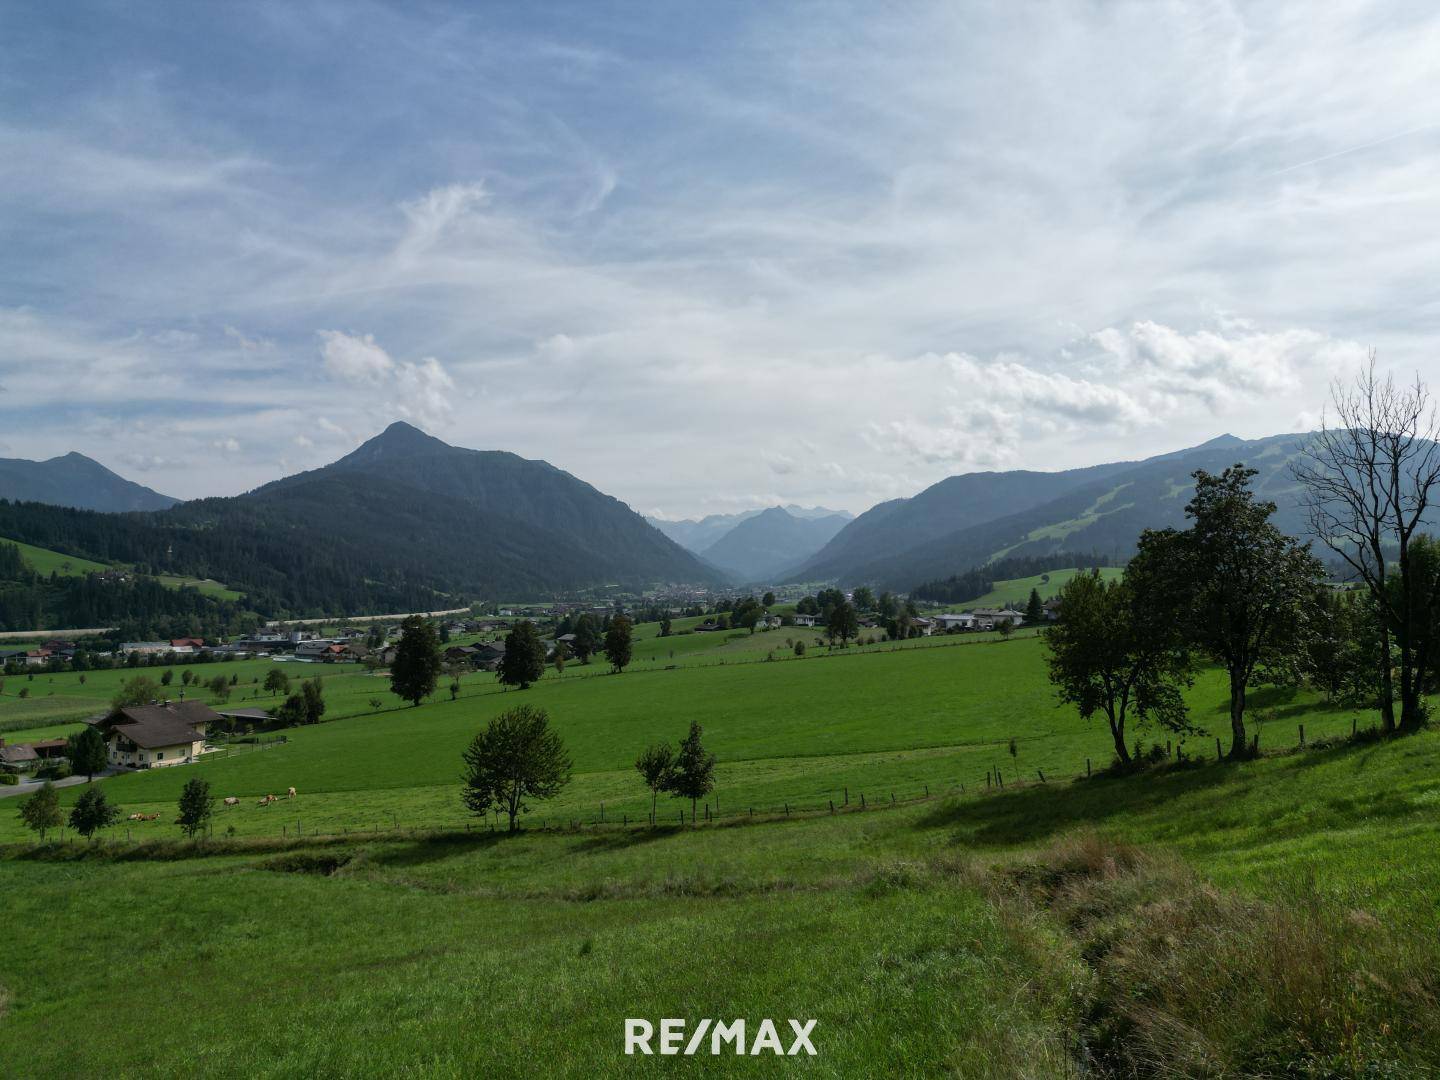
(160, 756)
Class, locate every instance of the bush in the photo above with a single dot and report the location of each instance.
(58, 771)
(8, 779)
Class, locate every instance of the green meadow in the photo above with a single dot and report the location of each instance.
(1016, 591)
(44, 561)
(960, 929)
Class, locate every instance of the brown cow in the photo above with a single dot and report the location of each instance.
(137, 817)
(290, 794)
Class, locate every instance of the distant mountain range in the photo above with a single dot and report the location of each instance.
(75, 480)
(757, 546)
(764, 547)
(404, 520)
(966, 521)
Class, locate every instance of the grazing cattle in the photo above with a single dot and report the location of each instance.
(150, 817)
(232, 801)
(290, 794)
(137, 817)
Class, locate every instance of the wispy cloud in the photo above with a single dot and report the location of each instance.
(851, 249)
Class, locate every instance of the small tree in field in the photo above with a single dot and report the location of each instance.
(517, 757)
(312, 693)
(693, 776)
(141, 690)
(416, 667)
(524, 659)
(41, 812)
(196, 806)
(1034, 609)
(276, 682)
(655, 765)
(86, 752)
(1114, 652)
(93, 812)
(617, 644)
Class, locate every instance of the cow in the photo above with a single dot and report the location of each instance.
(290, 794)
(150, 817)
(268, 799)
(232, 801)
(137, 817)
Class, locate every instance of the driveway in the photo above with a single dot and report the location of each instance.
(25, 787)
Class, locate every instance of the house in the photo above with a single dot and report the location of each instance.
(996, 616)
(314, 649)
(962, 621)
(145, 648)
(460, 654)
(804, 620)
(709, 626)
(190, 644)
(18, 757)
(50, 749)
(488, 654)
(923, 627)
(245, 716)
(153, 736)
(1052, 609)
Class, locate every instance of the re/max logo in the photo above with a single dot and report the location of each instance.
(639, 1033)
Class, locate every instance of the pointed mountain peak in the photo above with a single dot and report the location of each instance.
(398, 440)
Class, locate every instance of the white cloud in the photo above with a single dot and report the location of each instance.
(421, 391)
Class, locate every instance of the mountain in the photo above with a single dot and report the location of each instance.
(763, 546)
(965, 521)
(78, 481)
(699, 535)
(405, 522)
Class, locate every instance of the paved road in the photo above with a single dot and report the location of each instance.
(25, 787)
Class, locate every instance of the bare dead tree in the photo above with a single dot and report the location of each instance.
(1368, 482)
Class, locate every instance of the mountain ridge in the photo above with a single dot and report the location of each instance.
(76, 481)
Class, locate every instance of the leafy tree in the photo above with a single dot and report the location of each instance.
(444, 634)
(1034, 609)
(524, 659)
(291, 712)
(219, 686)
(799, 648)
(746, 614)
(886, 606)
(1241, 589)
(587, 640)
(807, 605)
(41, 811)
(312, 694)
(693, 774)
(1114, 653)
(864, 599)
(276, 682)
(655, 765)
(454, 688)
(843, 623)
(768, 600)
(617, 644)
(1006, 629)
(167, 678)
(517, 757)
(92, 812)
(141, 690)
(416, 667)
(86, 751)
(562, 653)
(665, 625)
(196, 806)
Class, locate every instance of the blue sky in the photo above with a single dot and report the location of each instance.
(705, 256)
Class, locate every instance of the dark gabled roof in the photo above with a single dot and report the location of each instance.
(246, 713)
(161, 725)
(14, 755)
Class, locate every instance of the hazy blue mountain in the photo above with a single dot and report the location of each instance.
(762, 547)
(78, 481)
(964, 521)
(699, 535)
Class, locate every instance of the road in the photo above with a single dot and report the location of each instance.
(25, 787)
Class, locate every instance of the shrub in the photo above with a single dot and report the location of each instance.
(8, 779)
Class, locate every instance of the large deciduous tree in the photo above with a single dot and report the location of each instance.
(516, 758)
(1369, 481)
(92, 812)
(617, 644)
(843, 622)
(1240, 589)
(416, 667)
(524, 659)
(86, 751)
(1113, 652)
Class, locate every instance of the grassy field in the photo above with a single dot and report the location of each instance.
(1015, 592)
(928, 936)
(45, 561)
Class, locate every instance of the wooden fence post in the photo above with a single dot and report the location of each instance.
(1087, 766)
(1302, 734)
(1219, 754)
(832, 806)
(862, 800)
(1042, 775)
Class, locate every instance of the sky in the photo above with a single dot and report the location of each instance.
(707, 257)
